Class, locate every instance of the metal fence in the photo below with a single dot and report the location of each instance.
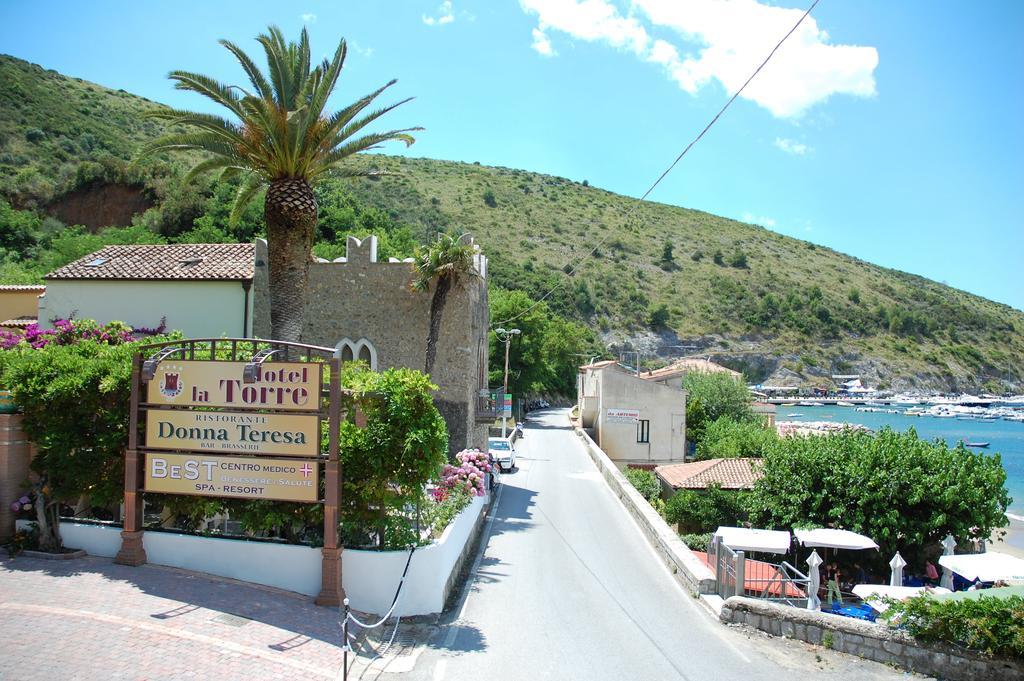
(736, 575)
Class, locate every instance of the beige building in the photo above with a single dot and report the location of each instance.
(19, 305)
(205, 290)
(672, 375)
(633, 420)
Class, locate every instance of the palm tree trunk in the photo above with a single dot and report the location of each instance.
(291, 212)
(436, 311)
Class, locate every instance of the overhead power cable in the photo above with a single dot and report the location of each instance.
(664, 174)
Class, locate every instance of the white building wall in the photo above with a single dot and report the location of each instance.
(200, 309)
(663, 407)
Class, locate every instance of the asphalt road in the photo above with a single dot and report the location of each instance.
(567, 588)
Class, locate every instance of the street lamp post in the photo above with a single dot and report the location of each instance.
(505, 336)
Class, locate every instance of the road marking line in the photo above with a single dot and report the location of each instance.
(439, 669)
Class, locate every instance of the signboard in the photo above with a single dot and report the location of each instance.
(246, 432)
(622, 415)
(293, 386)
(240, 477)
(506, 407)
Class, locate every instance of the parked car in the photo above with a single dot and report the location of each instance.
(503, 452)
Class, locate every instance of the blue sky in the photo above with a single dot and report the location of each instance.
(889, 131)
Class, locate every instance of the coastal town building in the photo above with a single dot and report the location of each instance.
(19, 305)
(367, 310)
(203, 290)
(672, 375)
(736, 474)
(364, 308)
(635, 421)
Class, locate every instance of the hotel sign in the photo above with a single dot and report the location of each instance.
(233, 432)
(292, 386)
(240, 477)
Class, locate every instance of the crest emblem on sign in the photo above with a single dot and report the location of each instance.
(170, 384)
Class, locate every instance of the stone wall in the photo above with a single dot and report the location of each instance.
(357, 298)
(15, 454)
(869, 640)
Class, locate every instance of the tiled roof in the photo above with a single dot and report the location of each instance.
(599, 365)
(176, 261)
(19, 322)
(687, 364)
(23, 287)
(727, 473)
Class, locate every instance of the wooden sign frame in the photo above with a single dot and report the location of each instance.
(332, 405)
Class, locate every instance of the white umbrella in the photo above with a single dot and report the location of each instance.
(746, 539)
(987, 567)
(813, 561)
(897, 564)
(948, 545)
(834, 539)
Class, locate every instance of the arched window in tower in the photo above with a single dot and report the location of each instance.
(348, 350)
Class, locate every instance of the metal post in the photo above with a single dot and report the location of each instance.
(504, 390)
(344, 643)
(741, 573)
(132, 551)
(332, 592)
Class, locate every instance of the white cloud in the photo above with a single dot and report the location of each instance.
(366, 52)
(757, 219)
(722, 41)
(445, 15)
(792, 146)
(542, 44)
(308, 18)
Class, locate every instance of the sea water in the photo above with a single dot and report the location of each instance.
(1004, 437)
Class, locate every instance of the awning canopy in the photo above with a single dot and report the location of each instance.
(834, 539)
(998, 592)
(988, 567)
(746, 539)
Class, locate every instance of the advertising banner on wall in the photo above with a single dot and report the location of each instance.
(292, 386)
(232, 476)
(241, 432)
(622, 415)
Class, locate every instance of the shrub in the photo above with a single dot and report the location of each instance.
(726, 438)
(75, 399)
(659, 317)
(489, 199)
(697, 255)
(388, 463)
(442, 508)
(990, 625)
(706, 511)
(718, 258)
(711, 396)
(738, 260)
(645, 482)
(469, 475)
(903, 492)
(697, 542)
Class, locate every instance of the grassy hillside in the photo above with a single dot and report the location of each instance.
(775, 306)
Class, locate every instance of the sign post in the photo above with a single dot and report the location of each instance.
(236, 425)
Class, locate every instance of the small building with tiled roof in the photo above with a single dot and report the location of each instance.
(634, 421)
(205, 290)
(735, 473)
(19, 305)
(672, 375)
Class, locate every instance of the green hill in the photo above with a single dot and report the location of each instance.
(779, 308)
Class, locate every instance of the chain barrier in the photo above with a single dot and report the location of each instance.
(349, 617)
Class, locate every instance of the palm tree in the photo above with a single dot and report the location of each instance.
(445, 262)
(279, 136)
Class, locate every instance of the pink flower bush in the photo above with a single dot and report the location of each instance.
(71, 331)
(469, 475)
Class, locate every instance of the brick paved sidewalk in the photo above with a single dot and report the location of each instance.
(92, 619)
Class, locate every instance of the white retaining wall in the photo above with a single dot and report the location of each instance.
(689, 570)
(370, 577)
